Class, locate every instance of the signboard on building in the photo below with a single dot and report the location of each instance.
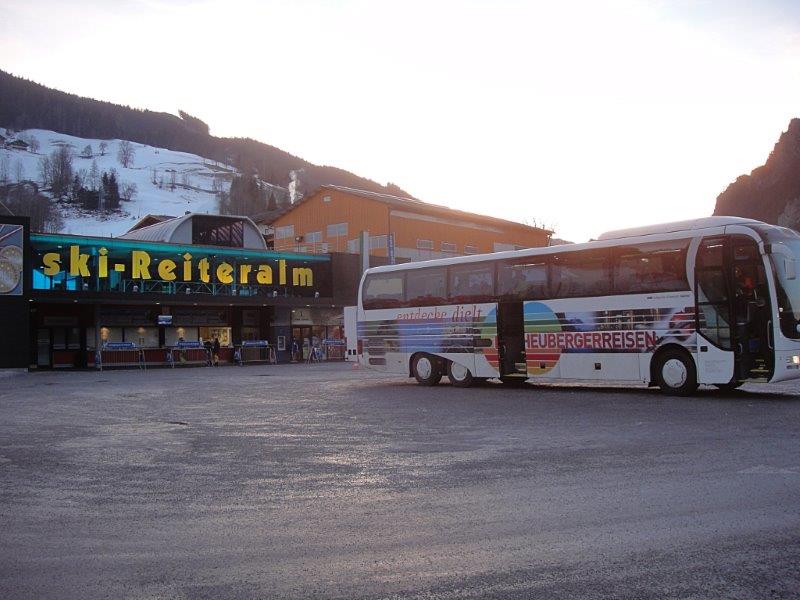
(73, 263)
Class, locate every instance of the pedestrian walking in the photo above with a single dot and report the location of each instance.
(207, 347)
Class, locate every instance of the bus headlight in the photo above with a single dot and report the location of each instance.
(796, 360)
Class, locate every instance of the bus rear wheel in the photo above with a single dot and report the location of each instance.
(676, 373)
(426, 369)
(459, 375)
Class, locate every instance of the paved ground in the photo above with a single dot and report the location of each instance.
(321, 481)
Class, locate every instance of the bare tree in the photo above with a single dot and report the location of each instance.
(93, 178)
(60, 170)
(172, 174)
(155, 176)
(87, 152)
(25, 200)
(4, 169)
(126, 153)
(103, 148)
(127, 191)
(45, 170)
(19, 171)
(33, 144)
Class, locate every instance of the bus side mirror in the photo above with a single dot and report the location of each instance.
(790, 267)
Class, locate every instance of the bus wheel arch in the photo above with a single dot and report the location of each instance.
(426, 368)
(459, 375)
(673, 369)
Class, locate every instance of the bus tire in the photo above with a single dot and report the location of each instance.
(426, 369)
(675, 372)
(459, 375)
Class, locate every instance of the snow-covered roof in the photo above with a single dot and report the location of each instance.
(178, 230)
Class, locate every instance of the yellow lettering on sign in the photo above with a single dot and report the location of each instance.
(203, 266)
(140, 261)
(166, 270)
(302, 276)
(282, 272)
(78, 263)
(187, 267)
(102, 263)
(224, 273)
(244, 271)
(264, 275)
(52, 264)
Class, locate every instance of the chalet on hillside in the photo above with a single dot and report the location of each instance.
(17, 145)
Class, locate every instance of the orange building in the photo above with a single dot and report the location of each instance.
(332, 218)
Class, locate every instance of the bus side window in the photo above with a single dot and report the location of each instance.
(651, 267)
(472, 282)
(578, 274)
(522, 279)
(426, 287)
(383, 290)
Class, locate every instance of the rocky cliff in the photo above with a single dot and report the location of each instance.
(771, 192)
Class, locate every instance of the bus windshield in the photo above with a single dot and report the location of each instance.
(784, 258)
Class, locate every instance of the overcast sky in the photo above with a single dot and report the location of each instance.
(584, 116)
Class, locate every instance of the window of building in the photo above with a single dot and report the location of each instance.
(426, 287)
(425, 244)
(214, 231)
(352, 246)
(313, 237)
(471, 250)
(577, 274)
(499, 247)
(522, 279)
(655, 267)
(448, 247)
(471, 283)
(284, 232)
(377, 241)
(384, 290)
(337, 230)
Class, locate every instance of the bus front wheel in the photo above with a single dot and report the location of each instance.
(676, 373)
(459, 375)
(426, 369)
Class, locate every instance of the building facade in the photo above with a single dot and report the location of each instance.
(332, 218)
(159, 292)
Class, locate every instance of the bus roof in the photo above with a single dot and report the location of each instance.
(604, 241)
(675, 226)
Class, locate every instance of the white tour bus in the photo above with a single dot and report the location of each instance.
(710, 301)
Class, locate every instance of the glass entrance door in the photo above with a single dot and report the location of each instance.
(43, 348)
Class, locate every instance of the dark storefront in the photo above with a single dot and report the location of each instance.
(86, 294)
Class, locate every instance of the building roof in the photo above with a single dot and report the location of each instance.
(164, 231)
(150, 219)
(19, 143)
(411, 204)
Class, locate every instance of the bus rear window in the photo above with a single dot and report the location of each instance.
(383, 290)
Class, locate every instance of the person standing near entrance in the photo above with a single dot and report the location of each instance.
(215, 351)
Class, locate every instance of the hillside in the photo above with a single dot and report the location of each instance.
(770, 192)
(28, 105)
(198, 181)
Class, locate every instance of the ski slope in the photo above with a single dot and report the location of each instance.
(194, 177)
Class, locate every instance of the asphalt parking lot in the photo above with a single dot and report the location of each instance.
(326, 482)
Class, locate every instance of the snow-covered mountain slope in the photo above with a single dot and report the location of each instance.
(196, 180)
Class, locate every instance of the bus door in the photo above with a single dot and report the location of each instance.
(733, 310)
(753, 340)
(511, 339)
